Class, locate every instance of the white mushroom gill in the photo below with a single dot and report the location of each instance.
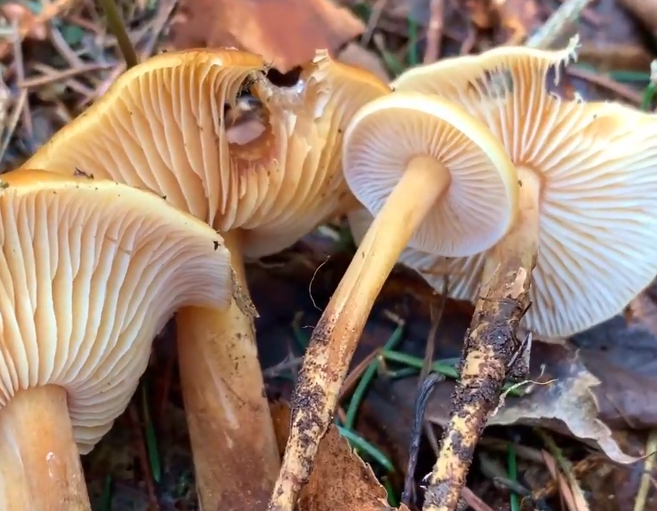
(595, 165)
(476, 205)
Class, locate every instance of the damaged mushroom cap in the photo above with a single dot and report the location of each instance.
(161, 126)
(90, 271)
(597, 168)
(479, 202)
(309, 119)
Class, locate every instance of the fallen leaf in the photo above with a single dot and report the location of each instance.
(23, 17)
(285, 32)
(567, 404)
(340, 480)
(624, 358)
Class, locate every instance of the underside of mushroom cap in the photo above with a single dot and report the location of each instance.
(462, 272)
(311, 118)
(480, 202)
(162, 127)
(597, 168)
(90, 271)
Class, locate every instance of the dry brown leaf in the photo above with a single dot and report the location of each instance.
(285, 32)
(340, 480)
(566, 404)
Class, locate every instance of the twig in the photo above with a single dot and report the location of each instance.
(285, 365)
(436, 316)
(368, 371)
(571, 490)
(434, 32)
(155, 30)
(72, 83)
(142, 453)
(416, 434)
(20, 75)
(490, 348)
(603, 81)
(117, 28)
(59, 43)
(474, 502)
(354, 376)
(555, 26)
(581, 467)
(50, 10)
(372, 22)
(50, 78)
(644, 486)
(13, 122)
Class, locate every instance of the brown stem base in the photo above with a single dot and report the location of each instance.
(491, 349)
(236, 458)
(40, 467)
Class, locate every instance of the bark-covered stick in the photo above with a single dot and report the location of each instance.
(490, 348)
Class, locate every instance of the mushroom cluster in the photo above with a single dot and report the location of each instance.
(90, 270)
(474, 170)
(146, 206)
(163, 126)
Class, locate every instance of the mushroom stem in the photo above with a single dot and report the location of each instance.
(40, 468)
(491, 347)
(337, 333)
(235, 452)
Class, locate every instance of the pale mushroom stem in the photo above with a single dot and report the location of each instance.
(336, 336)
(490, 347)
(236, 457)
(40, 467)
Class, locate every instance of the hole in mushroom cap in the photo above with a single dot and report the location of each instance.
(557, 83)
(289, 79)
(245, 121)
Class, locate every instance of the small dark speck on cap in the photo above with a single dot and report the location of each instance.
(82, 173)
(216, 245)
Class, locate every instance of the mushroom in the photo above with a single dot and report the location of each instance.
(436, 179)
(90, 271)
(587, 220)
(162, 126)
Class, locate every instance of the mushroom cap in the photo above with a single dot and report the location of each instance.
(90, 271)
(316, 111)
(481, 202)
(161, 126)
(597, 166)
